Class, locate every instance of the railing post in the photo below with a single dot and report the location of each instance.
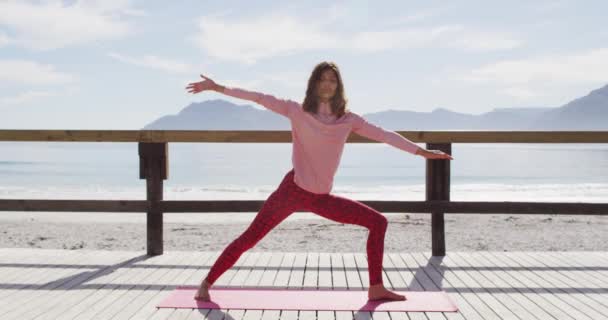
(153, 167)
(438, 188)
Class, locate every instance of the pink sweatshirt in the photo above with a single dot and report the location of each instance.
(318, 140)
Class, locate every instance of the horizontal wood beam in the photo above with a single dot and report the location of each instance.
(261, 136)
(74, 205)
(208, 206)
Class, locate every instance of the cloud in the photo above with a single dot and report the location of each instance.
(53, 24)
(27, 72)
(249, 40)
(584, 67)
(548, 78)
(154, 62)
(263, 37)
(419, 15)
(4, 39)
(26, 97)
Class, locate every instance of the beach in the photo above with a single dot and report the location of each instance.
(304, 232)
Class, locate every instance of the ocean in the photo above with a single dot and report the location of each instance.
(247, 171)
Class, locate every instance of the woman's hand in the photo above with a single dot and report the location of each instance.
(207, 84)
(434, 154)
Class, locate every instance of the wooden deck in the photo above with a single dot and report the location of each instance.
(64, 284)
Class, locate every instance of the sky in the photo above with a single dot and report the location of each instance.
(120, 64)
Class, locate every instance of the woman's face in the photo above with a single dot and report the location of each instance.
(327, 85)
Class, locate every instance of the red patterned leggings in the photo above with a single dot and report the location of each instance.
(289, 198)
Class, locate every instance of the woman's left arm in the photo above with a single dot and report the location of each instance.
(374, 132)
(371, 131)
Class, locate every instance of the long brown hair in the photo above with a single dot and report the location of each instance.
(311, 101)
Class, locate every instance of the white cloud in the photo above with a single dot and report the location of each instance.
(273, 35)
(4, 40)
(248, 41)
(420, 15)
(520, 93)
(53, 24)
(540, 77)
(31, 73)
(26, 97)
(479, 40)
(583, 67)
(154, 62)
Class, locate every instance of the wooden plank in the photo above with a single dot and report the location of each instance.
(419, 280)
(209, 206)
(100, 294)
(339, 282)
(469, 305)
(58, 290)
(244, 269)
(352, 274)
(118, 293)
(499, 289)
(270, 279)
(152, 313)
(253, 280)
(24, 288)
(577, 297)
(311, 279)
(20, 270)
(498, 278)
(180, 263)
(325, 281)
(296, 279)
(360, 260)
(535, 293)
(493, 299)
(338, 274)
(267, 280)
(578, 268)
(592, 305)
(362, 268)
(282, 278)
(270, 273)
(536, 281)
(52, 293)
(29, 271)
(396, 282)
(429, 206)
(202, 261)
(594, 263)
(311, 274)
(594, 287)
(438, 188)
(247, 259)
(595, 256)
(273, 136)
(42, 205)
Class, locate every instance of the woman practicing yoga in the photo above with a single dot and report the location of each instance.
(319, 128)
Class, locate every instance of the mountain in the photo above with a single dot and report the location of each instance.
(589, 112)
(585, 113)
(220, 115)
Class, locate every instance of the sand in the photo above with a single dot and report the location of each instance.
(307, 233)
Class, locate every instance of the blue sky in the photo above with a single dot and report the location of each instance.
(119, 64)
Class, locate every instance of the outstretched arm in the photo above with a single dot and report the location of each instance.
(279, 106)
(374, 132)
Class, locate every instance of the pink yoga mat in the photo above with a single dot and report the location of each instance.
(306, 299)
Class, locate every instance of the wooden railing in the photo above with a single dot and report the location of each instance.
(153, 156)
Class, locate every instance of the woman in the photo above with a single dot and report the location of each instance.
(320, 127)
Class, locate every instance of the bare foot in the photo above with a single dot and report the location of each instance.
(203, 292)
(379, 292)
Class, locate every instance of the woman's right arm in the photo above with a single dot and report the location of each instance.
(280, 106)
